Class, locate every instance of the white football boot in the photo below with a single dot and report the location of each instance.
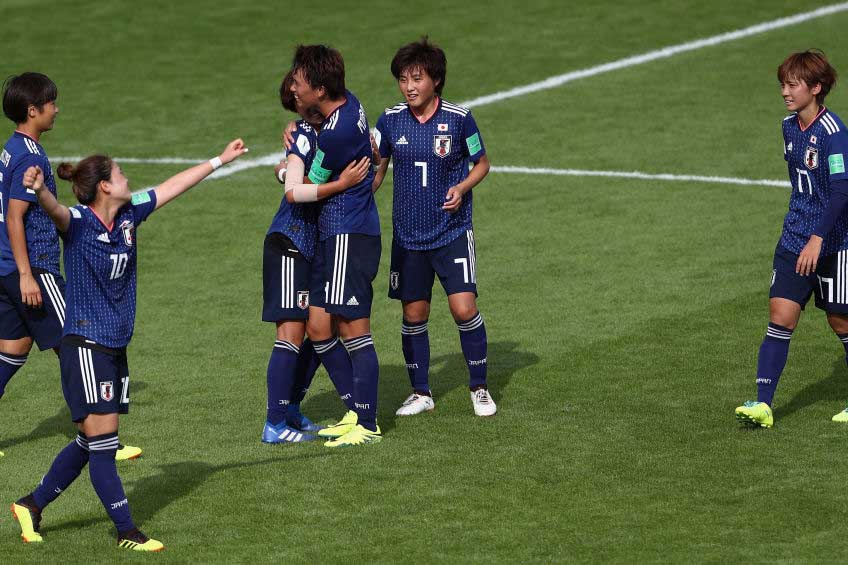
(416, 404)
(483, 403)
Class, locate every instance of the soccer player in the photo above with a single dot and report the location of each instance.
(32, 301)
(812, 253)
(348, 253)
(287, 272)
(432, 142)
(100, 261)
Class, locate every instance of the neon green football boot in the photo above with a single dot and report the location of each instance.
(340, 428)
(841, 417)
(359, 435)
(755, 413)
(127, 452)
(137, 541)
(29, 520)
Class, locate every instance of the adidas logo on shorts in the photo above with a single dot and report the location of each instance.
(352, 302)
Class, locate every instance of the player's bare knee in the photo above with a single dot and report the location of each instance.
(464, 311)
(838, 322)
(16, 346)
(416, 312)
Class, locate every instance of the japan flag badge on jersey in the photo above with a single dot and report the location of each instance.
(107, 391)
(441, 145)
(811, 158)
(443, 127)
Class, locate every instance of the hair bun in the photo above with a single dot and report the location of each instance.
(65, 171)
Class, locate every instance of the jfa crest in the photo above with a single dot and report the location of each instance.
(303, 299)
(442, 145)
(128, 229)
(107, 391)
(394, 277)
(811, 158)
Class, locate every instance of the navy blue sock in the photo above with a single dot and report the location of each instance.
(65, 469)
(337, 362)
(281, 368)
(415, 342)
(366, 374)
(9, 365)
(106, 482)
(307, 363)
(844, 339)
(472, 338)
(772, 360)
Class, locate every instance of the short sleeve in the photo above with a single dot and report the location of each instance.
(382, 137)
(17, 190)
(74, 225)
(143, 204)
(472, 144)
(785, 145)
(301, 147)
(329, 157)
(837, 152)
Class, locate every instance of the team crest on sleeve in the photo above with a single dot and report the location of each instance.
(107, 391)
(811, 158)
(128, 230)
(303, 299)
(394, 277)
(442, 145)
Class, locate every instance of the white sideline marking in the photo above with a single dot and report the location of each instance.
(273, 159)
(559, 80)
(640, 176)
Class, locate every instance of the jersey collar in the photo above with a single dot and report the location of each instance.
(814, 120)
(427, 118)
(19, 132)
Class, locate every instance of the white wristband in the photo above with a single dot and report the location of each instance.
(281, 176)
(216, 163)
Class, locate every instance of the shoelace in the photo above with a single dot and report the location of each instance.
(482, 396)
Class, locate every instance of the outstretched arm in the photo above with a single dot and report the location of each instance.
(183, 181)
(61, 216)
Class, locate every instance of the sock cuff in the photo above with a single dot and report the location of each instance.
(413, 328)
(322, 347)
(358, 343)
(286, 345)
(471, 324)
(103, 443)
(16, 360)
(82, 441)
(775, 331)
(843, 338)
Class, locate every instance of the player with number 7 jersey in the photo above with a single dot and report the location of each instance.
(811, 257)
(432, 142)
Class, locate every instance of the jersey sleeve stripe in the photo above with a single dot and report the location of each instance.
(463, 114)
(832, 122)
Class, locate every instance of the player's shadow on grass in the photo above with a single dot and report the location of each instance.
(150, 495)
(447, 372)
(834, 387)
(59, 424)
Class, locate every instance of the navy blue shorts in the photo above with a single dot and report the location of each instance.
(44, 324)
(829, 283)
(285, 280)
(95, 379)
(344, 266)
(412, 273)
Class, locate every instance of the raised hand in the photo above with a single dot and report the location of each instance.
(34, 179)
(233, 151)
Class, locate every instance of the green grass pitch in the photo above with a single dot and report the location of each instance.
(623, 316)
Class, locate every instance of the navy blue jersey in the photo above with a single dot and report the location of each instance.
(20, 153)
(429, 158)
(344, 138)
(815, 156)
(100, 265)
(299, 222)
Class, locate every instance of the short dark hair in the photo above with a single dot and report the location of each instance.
(321, 66)
(286, 94)
(25, 90)
(424, 55)
(812, 67)
(86, 176)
